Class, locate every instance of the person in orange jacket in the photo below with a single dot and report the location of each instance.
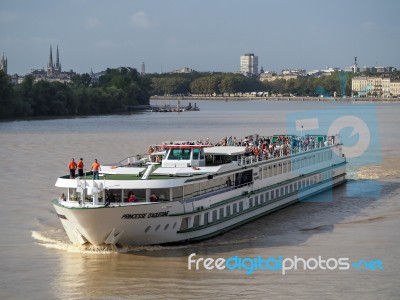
(72, 167)
(95, 169)
(80, 167)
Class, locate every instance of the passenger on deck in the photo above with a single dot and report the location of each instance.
(80, 167)
(72, 167)
(229, 181)
(108, 200)
(62, 197)
(153, 198)
(95, 169)
(132, 197)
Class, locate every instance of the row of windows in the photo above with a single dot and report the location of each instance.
(260, 199)
(294, 164)
(158, 227)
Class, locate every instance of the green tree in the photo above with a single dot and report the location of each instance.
(7, 106)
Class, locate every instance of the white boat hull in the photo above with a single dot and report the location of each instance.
(175, 221)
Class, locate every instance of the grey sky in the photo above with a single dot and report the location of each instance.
(206, 35)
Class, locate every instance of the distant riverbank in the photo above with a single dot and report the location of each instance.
(247, 98)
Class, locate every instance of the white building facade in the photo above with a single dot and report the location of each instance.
(249, 63)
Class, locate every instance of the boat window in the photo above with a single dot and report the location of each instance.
(228, 210)
(284, 167)
(205, 220)
(256, 200)
(286, 190)
(267, 196)
(272, 195)
(74, 195)
(177, 193)
(162, 194)
(262, 198)
(173, 227)
(204, 187)
(196, 153)
(241, 206)
(185, 223)
(196, 221)
(157, 227)
(269, 172)
(147, 229)
(177, 154)
(201, 154)
(190, 190)
(214, 215)
(282, 193)
(221, 212)
(234, 208)
(251, 202)
(166, 226)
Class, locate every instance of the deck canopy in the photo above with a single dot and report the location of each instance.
(121, 170)
(225, 150)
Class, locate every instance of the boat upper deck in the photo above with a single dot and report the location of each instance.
(195, 158)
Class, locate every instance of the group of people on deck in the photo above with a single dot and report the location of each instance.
(73, 166)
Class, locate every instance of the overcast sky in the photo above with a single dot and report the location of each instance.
(205, 35)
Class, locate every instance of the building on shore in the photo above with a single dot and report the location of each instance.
(184, 70)
(249, 64)
(272, 77)
(287, 74)
(383, 87)
(142, 69)
(54, 71)
(3, 64)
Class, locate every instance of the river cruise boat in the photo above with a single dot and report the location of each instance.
(189, 191)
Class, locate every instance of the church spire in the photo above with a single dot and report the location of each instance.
(3, 64)
(50, 66)
(58, 66)
(51, 57)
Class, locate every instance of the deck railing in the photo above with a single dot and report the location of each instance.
(243, 160)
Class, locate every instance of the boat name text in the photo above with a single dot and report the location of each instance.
(146, 215)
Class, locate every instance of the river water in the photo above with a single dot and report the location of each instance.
(38, 262)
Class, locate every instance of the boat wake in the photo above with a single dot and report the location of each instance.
(321, 228)
(389, 169)
(364, 220)
(51, 240)
(56, 240)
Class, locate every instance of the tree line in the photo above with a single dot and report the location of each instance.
(230, 83)
(115, 90)
(120, 88)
